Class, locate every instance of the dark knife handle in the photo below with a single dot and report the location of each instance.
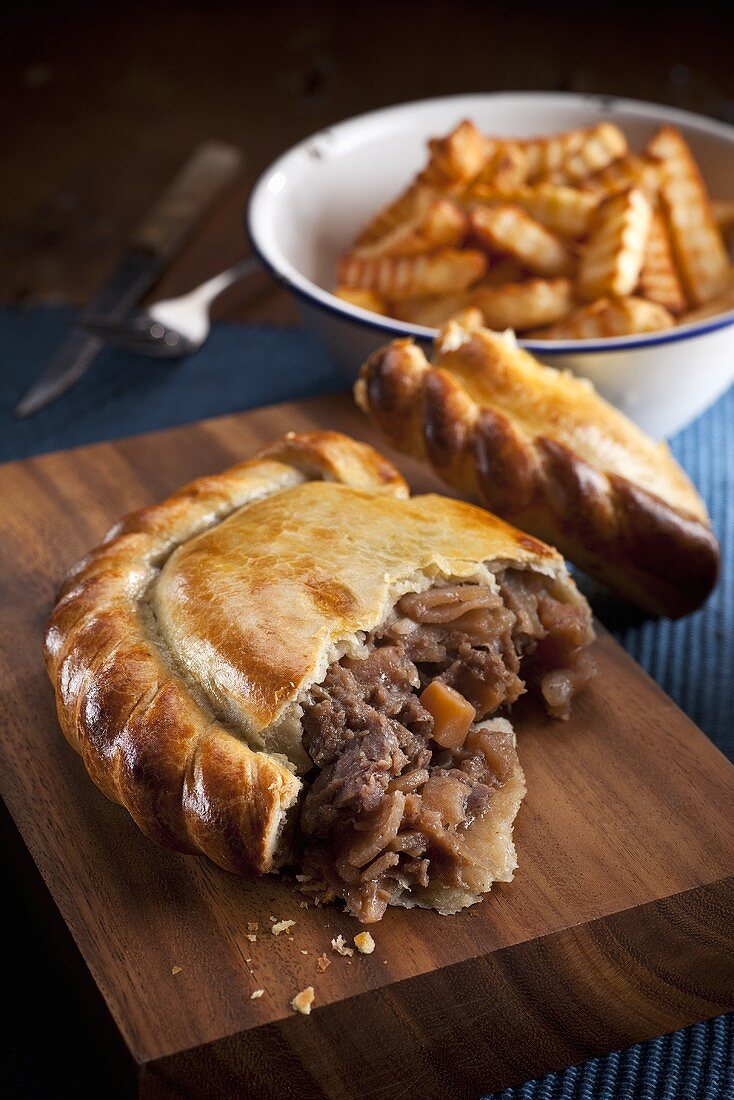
(210, 169)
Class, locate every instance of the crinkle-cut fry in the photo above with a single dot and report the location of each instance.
(402, 209)
(608, 317)
(659, 281)
(722, 303)
(697, 241)
(545, 155)
(439, 223)
(506, 165)
(612, 257)
(521, 306)
(629, 171)
(509, 230)
(601, 145)
(457, 158)
(444, 223)
(564, 210)
(396, 278)
(573, 155)
(431, 312)
(365, 299)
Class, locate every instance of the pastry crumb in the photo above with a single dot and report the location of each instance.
(339, 945)
(256, 993)
(304, 951)
(322, 963)
(364, 943)
(176, 969)
(252, 926)
(282, 926)
(252, 937)
(302, 1001)
(272, 918)
(303, 904)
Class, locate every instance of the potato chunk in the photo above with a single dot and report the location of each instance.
(452, 714)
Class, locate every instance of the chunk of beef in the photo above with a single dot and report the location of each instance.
(366, 727)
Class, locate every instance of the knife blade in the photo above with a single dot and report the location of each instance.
(78, 349)
(157, 240)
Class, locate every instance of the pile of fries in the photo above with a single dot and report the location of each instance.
(569, 236)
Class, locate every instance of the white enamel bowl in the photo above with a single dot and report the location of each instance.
(309, 205)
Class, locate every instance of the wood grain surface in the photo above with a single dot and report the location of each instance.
(618, 925)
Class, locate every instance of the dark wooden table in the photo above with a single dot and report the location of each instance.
(100, 105)
(619, 924)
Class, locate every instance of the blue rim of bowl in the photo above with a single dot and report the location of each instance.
(540, 347)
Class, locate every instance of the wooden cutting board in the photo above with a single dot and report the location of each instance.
(618, 925)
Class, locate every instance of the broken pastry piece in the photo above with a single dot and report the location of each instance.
(542, 449)
(293, 662)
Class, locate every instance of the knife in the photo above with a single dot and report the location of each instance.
(157, 240)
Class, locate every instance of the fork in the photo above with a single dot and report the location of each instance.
(174, 327)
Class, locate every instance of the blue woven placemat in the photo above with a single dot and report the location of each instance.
(693, 660)
(238, 368)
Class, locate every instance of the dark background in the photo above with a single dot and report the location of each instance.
(100, 104)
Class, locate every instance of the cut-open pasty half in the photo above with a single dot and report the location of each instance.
(542, 449)
(293, 662)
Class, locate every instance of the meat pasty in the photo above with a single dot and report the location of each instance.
(293, 662)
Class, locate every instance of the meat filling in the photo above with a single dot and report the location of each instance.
(403, 769)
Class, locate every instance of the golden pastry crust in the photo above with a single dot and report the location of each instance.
(180, 646)
(542, 449)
